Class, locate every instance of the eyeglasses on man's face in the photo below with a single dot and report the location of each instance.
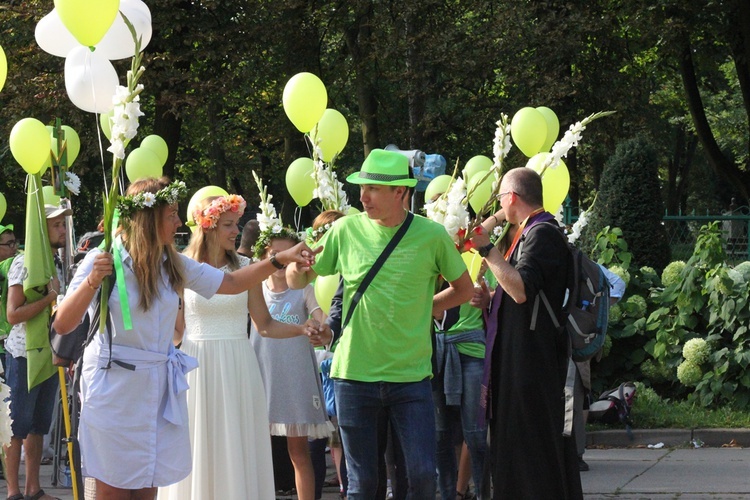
(9, 244)
(500, 196)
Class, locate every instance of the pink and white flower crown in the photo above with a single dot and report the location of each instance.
(209, 216)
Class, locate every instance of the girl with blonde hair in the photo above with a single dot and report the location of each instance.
(134, 432)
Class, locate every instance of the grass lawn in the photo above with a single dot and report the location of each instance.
(652, 412)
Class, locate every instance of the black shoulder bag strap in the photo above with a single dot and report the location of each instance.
(376, 267)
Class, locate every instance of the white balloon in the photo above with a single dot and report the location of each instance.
(90, 80)
(118, 42)
(53, 37)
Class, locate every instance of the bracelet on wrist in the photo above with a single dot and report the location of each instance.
(276, 263)
(88, 282)
(495, 218)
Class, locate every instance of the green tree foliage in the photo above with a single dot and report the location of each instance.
(629, 198)
(419, 74)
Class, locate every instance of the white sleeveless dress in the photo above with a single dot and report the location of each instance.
(229, 436)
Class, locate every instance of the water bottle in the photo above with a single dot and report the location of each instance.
(585, 305)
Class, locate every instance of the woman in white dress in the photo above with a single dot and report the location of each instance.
(134, 424)
(226, 400)
(289, 367)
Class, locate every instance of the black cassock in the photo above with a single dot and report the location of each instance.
(530, 457)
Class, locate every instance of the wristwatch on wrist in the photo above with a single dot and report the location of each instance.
(485, 250)
(276, 263)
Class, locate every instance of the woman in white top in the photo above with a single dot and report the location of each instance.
(134, 425)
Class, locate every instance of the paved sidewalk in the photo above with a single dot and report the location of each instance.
(677, 470)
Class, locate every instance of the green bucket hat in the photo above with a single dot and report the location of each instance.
(384, 167)
(9, 227)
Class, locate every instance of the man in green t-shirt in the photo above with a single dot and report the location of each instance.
(382, 363)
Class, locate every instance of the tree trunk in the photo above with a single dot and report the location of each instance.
(359, 43)
(721, 165)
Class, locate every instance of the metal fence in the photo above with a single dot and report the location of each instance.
(682, 231)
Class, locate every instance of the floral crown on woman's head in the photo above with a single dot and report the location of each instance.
(273, 233)
(168, 195)
(209, 216)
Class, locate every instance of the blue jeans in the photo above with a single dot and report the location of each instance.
(409, 408)
(30, 411)
(446, 418)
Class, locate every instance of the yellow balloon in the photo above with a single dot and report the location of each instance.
(3, 206)
(330, 134)
(478, 163)
(50, 198)
(437, 186)
(3, 68)
(555, 181)
(553, 127)
(473, 262)
(87, 20)
(300, 182)
(482, 190)
(305, 100)
(325, 289)
(142, 162)
(199, 195)
(352, 211)
(528, 128)
(29, 143)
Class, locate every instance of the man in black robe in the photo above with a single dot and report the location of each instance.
(525, 367)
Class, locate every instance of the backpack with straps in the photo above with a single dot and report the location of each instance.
(587, 307)
(614, 406)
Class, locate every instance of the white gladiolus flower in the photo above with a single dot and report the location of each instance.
(72, 182)
(578, 227)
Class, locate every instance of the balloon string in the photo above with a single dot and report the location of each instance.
(101, 152)
(297, 218)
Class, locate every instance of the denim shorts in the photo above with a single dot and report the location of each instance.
(30, 412)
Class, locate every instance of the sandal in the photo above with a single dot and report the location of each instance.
(36, 496)
(17, 496)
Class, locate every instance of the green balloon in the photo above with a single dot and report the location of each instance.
(300, 182)
(201, 194)
(528, 128)
(305, 99)
(330, 134)
(3, 68)
(478, 163)
(73, 145)
(3, 206)
(142, 163)
(482, 190)
(29, 143)
(50, 198)
(555, 181)
(158, 145)
(325, 288)
(87, 21)
(437, 186)
(105, 121)
(553, 127)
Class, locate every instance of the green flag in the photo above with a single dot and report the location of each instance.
(39, 267)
